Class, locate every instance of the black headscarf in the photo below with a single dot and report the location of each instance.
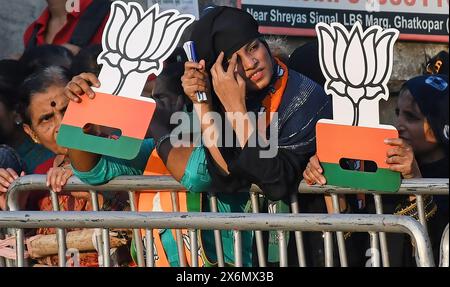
(223, 29)
(431, 95)
(303, 103)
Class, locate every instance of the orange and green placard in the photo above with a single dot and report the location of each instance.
(132, 117)
(336, 142)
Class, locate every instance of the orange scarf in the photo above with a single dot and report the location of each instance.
(273, 100)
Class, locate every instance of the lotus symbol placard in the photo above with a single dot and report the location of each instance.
(357, 66)
(135, 44)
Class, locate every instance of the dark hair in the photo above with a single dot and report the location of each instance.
(39, 82)
(86, 61)
(11, 76)
(430, 92)
(44, 56)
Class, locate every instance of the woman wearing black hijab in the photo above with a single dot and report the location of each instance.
(239, 75)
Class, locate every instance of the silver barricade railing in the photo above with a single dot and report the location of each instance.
(417, 187)
(225, 221)
(444, 252)
(136, 183)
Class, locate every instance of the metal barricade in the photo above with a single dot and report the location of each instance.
(378, 241)
(136, 183)
(229, 221)
(443, 262)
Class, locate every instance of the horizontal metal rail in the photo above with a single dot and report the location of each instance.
(417, 187)
(228, 221)
(36, 182)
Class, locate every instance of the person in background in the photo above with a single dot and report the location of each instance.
(438, 64)
(421, 151)
(86, 61)
(11, 131)
(61, 24)
(239, 74)
(44, 56)
(423, 121)
(157, 156)
(305, 60)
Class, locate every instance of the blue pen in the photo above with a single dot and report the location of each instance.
(189, 49)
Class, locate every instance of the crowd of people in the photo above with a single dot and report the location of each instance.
(240, 72)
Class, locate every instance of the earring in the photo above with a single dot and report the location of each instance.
(35, 139)
(18, 123)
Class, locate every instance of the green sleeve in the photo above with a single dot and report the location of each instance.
(196, 177)
(108, 167)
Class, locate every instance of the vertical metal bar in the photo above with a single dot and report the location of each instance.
(194, 247)
(258, 233)
(421, 211)
(443, 258)
(149, 252)
(100, 238)
(328, 242)
(237, 248)
(340, 234)
(282, 245)
(106, 248)
(137, 233)
(217, 235)
(422, 220)
(20, 248)
(61, 234)
(374, 250)
(298, 234)
(178, 233)
(383, 239)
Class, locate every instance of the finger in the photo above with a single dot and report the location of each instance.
(240, 80)
(193, 66)
(65, 177)
(394, 142)
(194, 81)
(91, 78)
(218, 64)
(202, 63)
(49, 176)
(83, 85)
(59, 179)
(22, 173)
(397, 167)
(53, 180)
(232, 65)
(315, 163)
(6, 176)
(198, 75)
(308, 177)
(319, 178)
(75, 88)
(13, 173)
(4, 184)
(396, 151)
(71, 95)
(396, 160)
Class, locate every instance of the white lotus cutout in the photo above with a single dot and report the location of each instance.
(356, 64)
(139, 42)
